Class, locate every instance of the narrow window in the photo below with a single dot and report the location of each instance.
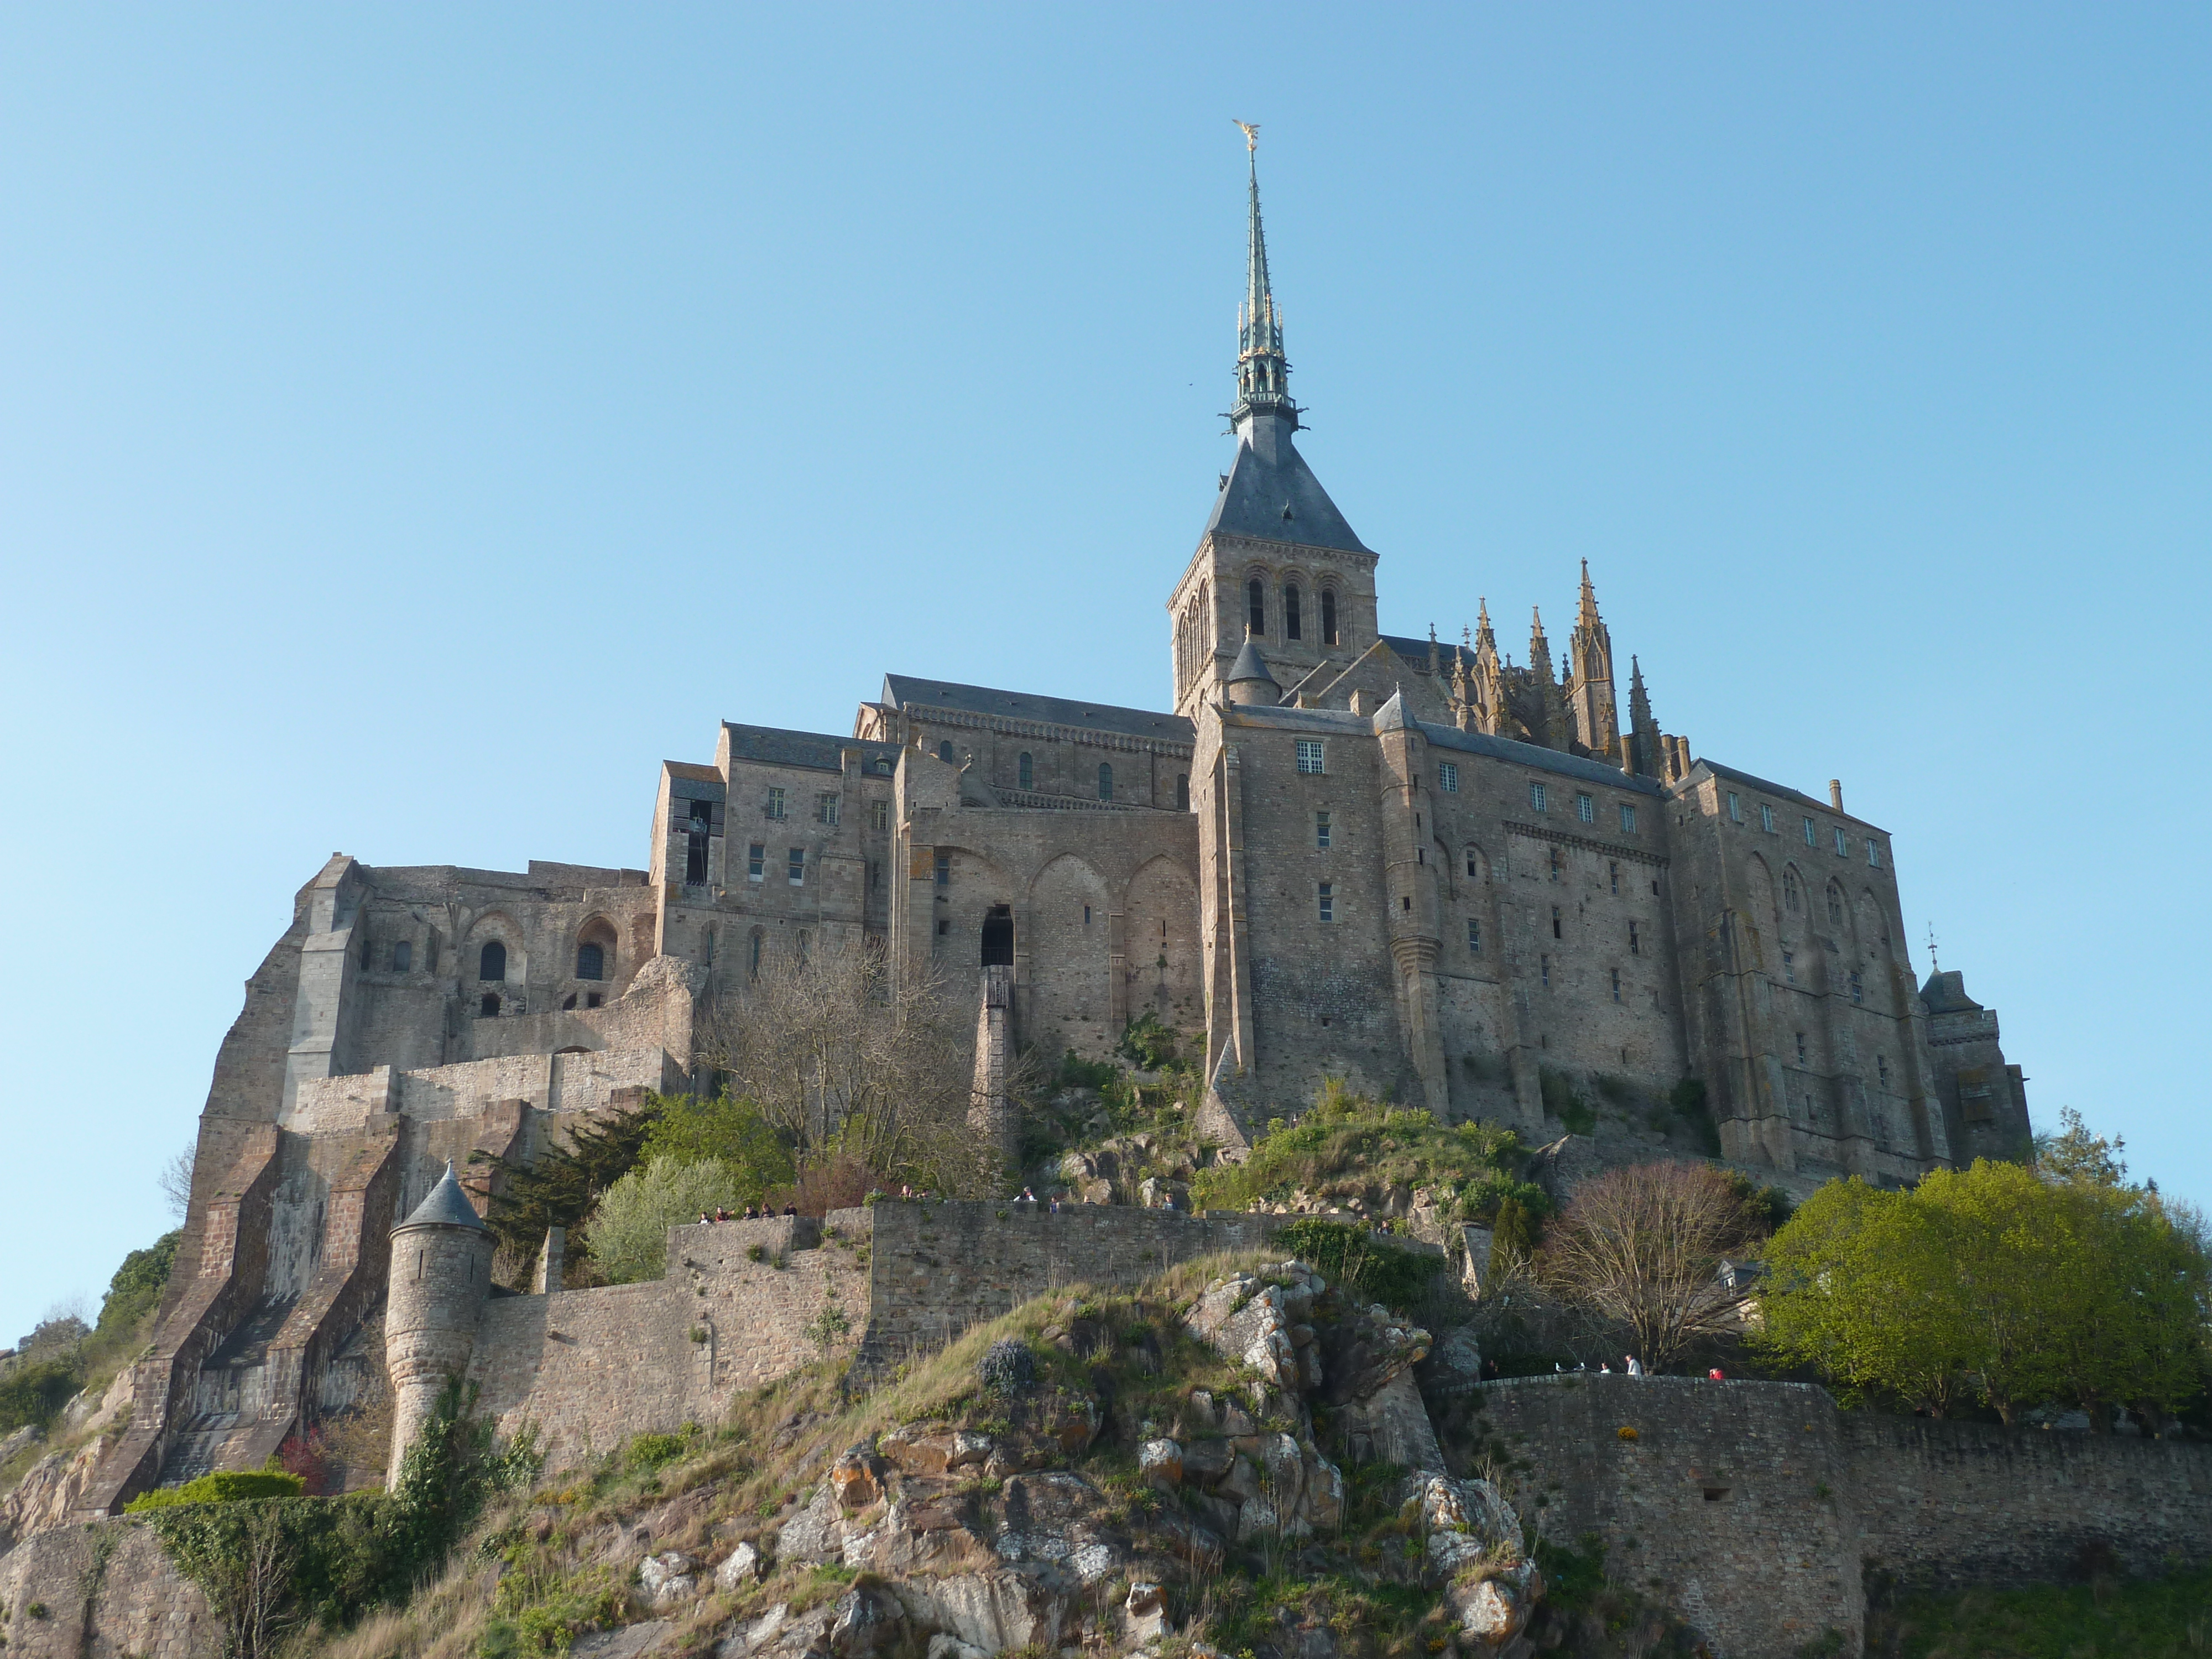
(1309, 756)
(1256, 608)
(825, 810)
(1873, 852)
(943, 868)
(1182, 791)
(944, 929)
(1473, 937)
(1628, 820)
(1474, 865)
(1291, 621)
(1635, 941)
(1328, 902)
(879, 816)
(756, 860)
(1086, 915)
(1858, 986)
(1736, 808)
(1544, 968)
(875, 874)
(1788, 967)
(774, 808)
(1321, 830)
(491, 962)
(1612, 874)
(1585, 809)
(1105, 782)
(1812, 834)
(1328, 615)
(1766, 817)
(1801, 1047)
(590, 961)
(1405, 902)
(1555, 921)
(1790, 899)
(944, 751)
(592, 1000)
(1881, 1068)
(707, 948)
(796, 865)
(802, 949)
(1616, 985)
(1448, 777)
(367, 952)
(1843, 846)
(402, 956)
(1026, 769)
(1835, 909)
(1535, 796)
(753, 953)
(489, 1008)
(1555, 863)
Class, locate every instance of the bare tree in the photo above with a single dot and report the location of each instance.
(1641, 1246)
(175, 1179)
(845, 1054)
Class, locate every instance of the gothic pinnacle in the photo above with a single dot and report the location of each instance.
(1263, 374)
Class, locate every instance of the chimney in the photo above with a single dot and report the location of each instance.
(1835, 793)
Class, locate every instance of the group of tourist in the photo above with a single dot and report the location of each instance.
(765, 1212)
(1631, 1365)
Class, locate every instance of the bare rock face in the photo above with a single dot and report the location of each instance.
(1253, 1321)
(43, 1498)
(739, 1568)
(1392, 1426)
(667, 1578)
(1453, 1365)
(1365, 1349)
(1474, 1545)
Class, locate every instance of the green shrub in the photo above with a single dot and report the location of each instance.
(224, 1486)
(650, 1451)
(1076, 1073)
(37, 1388)
(1561, 1101)
(138, 1283)
(1347, 1137)
(1146, 1043)
(1365, 1263)
(732, 1132)
(628, 1232)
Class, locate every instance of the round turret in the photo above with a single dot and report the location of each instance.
(1249, 679)
(441, 1277)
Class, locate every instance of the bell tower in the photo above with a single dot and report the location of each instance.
(1276, 565)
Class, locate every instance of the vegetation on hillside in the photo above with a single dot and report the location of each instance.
(2104, 1617)
(1998, 1286)
(64, 1360)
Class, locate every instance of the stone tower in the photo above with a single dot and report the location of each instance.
(440, 1275)
(1596, 716)
(1277, 565)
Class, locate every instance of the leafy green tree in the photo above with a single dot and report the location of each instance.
(628, 1232)
(726, 1131)
(2074, 1157)
(560, 1188)
(138, 1283)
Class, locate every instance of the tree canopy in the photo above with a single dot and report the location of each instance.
(1996, 1284)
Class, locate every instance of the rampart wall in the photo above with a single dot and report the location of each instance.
(1758, 1508)
(107, 1590)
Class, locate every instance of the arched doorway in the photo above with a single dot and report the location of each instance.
(999, 937)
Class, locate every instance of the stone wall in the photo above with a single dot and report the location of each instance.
(1758, 1508)
(108, 1592)
(1972, 1503)
(591, 1367)
(940, 1268)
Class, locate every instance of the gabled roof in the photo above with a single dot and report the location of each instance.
(769, 745)
(1279, 500)
(1781, 789)
(447, 1206)
(905, 691)
(1534, 755)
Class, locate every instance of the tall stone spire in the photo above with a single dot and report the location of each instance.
(1263, 373)
(1589, 657)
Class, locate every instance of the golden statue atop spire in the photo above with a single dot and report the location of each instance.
(1251, 134)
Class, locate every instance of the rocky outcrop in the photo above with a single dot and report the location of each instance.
(48, 1491)
(1474, 1547)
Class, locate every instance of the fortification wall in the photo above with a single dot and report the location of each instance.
(1972, 1503)
(940, 1268)
(1729, 1503)
(590, 1367)
(1757, 1507)
(108, 1592)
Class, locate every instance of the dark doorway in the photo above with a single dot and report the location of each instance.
(999, 937)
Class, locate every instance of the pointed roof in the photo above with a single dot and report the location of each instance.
(1249, 667)
(1391, 716)
(1277, 499)
(1586, 612)
(447, 1206)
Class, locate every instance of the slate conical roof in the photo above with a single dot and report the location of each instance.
(1249, 667)
(447, 1206)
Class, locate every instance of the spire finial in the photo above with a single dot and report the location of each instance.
(1263, 374)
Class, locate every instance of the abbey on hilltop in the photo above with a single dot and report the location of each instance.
(1466, 883)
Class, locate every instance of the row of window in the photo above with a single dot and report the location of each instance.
(794, 864)
(491, 960)
(1856, 981)
(1294, 618)
(1766, 822)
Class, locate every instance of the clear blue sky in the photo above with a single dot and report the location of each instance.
(420, 421)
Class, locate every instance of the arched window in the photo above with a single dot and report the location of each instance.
(402, 956)
(590, 961)
(1790, 901)
(489, 1008)
(999, 937)
(1256, 608)
(491, 964)
(944, 751)
(1291, 621)
(1328, 615)
(1182, 791)
(1835, 909)
(1027, 770)
(1105, 782)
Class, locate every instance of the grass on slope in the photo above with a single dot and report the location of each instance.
(2167, 1618)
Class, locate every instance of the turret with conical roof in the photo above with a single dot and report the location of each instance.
(1249, 679)
(441, 1278)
